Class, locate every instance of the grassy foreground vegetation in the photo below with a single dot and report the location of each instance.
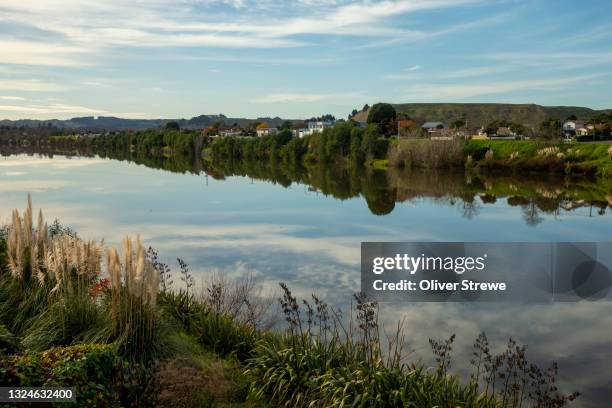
(510, 156)
(121, 334)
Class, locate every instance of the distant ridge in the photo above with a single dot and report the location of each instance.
(114, 123)
(480, 114)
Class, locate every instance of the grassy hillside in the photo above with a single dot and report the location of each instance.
(479, 114)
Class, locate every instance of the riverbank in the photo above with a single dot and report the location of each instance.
(502, 156)
(120, 332)
(348, 145)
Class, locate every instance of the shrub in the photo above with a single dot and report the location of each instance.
(322, 360)
(74, 318)
(9, 343)
(181, 308)
(225, 336)
(95, 370)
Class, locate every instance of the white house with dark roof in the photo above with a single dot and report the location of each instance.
(572, 125)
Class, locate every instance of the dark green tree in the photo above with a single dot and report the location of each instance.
(173, 126)
(383, 115)
(550, 129)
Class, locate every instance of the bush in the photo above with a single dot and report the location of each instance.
(225, 336)
(74, 318)
(9, 343)
(95, 370)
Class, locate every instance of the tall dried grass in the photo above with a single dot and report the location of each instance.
(52, 276)
(426, 154)
(26, 246)
(133, 295)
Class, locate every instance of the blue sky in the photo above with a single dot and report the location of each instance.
(296, 59)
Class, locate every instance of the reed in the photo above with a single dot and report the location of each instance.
(426, 154)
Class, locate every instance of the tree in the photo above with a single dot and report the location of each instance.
(365, 108)
(383, 115)
(459, 123)
(353, 113)
(286, 125)
(324, 118)
(572, 117)
(369, 141)
(172, 126)
(550, 128)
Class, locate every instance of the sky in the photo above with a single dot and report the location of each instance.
(296, 58)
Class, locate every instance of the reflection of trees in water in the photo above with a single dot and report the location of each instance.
(383, 189)
(531, 214)
(470, 209)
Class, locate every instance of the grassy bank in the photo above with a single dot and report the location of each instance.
(122, 334)
(512, 156)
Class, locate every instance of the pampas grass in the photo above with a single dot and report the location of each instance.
(26, 246)
(48, 290)
(133, 295)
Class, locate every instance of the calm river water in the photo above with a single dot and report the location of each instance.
(308, 233)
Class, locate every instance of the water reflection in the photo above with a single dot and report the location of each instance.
(304, 225)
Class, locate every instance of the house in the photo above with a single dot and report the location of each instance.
(582, 131)
(572, 125)
(432, 127)
(266, 131)
(314, 127)
(231, 132)
(319, 126)
(505, 132)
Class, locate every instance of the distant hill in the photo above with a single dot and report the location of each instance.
(112, 123)
(480, 114)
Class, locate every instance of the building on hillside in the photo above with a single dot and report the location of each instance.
(582, 131)
(314, 127)
(408, 128)
(432, 127)
(230, 132)
(319, 126)
(572, 125)
(266, 131)
(504, 132)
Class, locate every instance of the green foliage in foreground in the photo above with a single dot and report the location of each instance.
(95, 370)
(320, 360)
(318, 375)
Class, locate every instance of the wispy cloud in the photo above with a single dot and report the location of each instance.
(84, 28)
(564, 59)
(307, 97)
(452, 92)
(11, 98)
(49, 109)
(29, 85)
(449, 74)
